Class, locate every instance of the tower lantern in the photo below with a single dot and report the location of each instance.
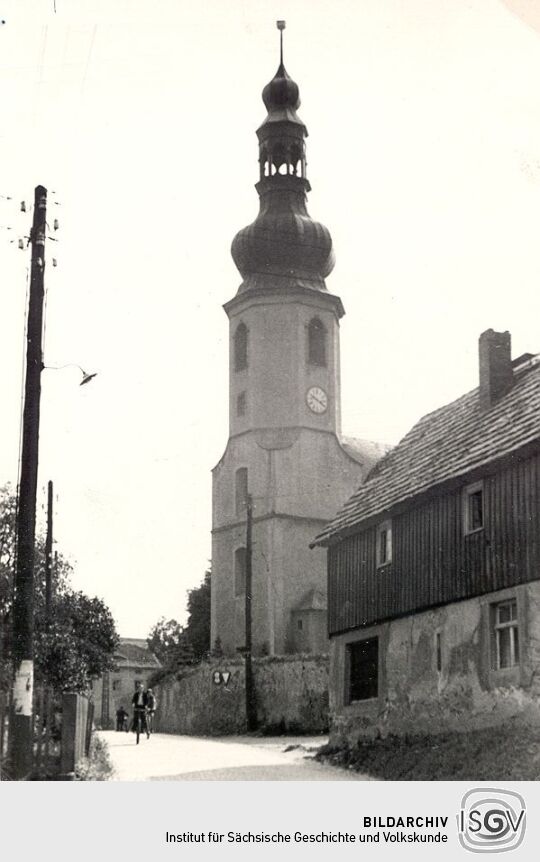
(282, 148)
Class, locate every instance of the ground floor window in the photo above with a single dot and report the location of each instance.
(506, 632)
(363, 670)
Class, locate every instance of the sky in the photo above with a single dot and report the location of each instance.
(140, 119)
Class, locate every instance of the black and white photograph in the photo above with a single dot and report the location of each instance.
(270, 438)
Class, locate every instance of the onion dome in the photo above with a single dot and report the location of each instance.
(281, 92)
(283, 242)
(281, 96)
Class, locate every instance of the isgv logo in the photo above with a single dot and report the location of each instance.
(491, 820)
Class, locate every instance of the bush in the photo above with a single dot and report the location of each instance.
(97, 766)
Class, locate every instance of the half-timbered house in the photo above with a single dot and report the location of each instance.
(434, 566)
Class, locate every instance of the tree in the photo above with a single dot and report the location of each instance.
(198, 624)
(8, 511)
(164, 640)
(62, 568)
(176, 646)
(77, 643)
(170, 643)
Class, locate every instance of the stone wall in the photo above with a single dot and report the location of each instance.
(291, 695)
(467, 692)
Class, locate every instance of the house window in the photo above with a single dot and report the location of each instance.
(116, 686)
(363, 661)
(384, 543)
(240, 490)
(240, 572)
(506, 634)
(300, 625)
(316, 342)
(474, 508)
(241, 403)
(241, 347)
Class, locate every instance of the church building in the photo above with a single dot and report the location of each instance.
(285, 448)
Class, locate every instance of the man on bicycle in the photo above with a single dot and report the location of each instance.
(151, 704)
(140, 703)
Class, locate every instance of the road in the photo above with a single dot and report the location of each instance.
(165, 757)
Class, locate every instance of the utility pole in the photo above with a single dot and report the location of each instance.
(46, 702)
(48, 553)
(20, 730)
(251, 713)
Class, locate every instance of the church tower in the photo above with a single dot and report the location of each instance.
(285, 448)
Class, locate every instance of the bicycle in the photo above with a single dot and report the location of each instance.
(141, 724)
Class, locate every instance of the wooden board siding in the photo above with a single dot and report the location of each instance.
(433, 562)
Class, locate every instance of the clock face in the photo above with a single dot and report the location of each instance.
(317, 399)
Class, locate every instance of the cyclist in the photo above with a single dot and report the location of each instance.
(151, 704)
(121, 719)
(140, 703)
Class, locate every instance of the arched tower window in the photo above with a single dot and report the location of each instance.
(240, 490)
(316, 342)
(240, 572)
(241, 347)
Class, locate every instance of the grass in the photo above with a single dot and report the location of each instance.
(495, 754)
(97, 766)
(5, 774)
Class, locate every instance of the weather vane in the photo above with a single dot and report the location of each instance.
(281, 26)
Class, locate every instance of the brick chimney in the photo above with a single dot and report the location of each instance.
(496, 374)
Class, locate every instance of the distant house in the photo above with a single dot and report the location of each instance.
(133, 663)
(434, 566)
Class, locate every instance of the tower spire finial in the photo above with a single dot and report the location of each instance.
(281, 26)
